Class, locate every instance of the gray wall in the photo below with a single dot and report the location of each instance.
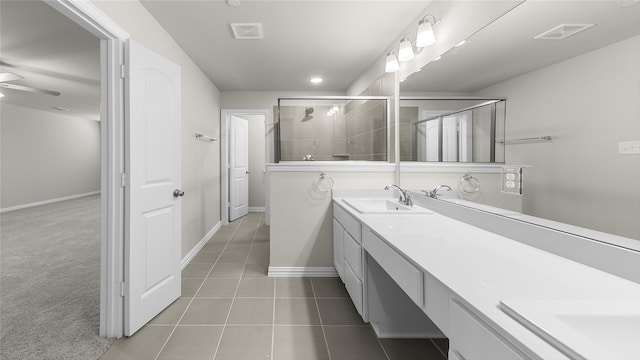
(588, 104)
(200, 114)
(46, 156)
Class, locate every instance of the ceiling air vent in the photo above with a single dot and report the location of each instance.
(563, 31)
(247, 31)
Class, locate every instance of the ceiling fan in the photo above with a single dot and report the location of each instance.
(7, 77)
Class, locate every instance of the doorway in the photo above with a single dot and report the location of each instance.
(258, 121)
(112, 181)
(76, 268)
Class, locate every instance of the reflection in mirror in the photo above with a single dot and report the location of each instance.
(452, 129)
(331, 129)
(581, 91)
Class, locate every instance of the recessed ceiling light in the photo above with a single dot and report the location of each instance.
(461, 43)
(316, 80)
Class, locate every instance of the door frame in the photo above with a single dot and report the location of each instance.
(112, 179)
(225, 115)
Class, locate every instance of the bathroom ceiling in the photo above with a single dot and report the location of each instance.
(506, 48)
(337, 40)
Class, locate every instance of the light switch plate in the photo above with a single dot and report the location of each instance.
(629, 147)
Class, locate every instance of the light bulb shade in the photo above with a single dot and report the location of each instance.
(391, 65)
(425, 35)
(405, 53)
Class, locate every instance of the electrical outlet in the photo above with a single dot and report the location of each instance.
(629, 147)
(512, 180)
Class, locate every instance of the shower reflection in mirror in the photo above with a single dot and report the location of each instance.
(452, 129)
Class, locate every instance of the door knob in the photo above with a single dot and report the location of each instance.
(178, 192)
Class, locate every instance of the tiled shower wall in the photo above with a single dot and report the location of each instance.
(366, 130)
(320, 135)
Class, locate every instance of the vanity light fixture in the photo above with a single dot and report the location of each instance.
(425, 35)
(405, 53)
(391, 64)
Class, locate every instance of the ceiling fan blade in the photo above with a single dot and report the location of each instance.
(28, 88)
(7, 76)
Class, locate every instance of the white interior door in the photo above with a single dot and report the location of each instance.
(465, 131)
(238, 167)
(153, 210)
(449, 139)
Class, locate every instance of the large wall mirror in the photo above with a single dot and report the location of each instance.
(569, 71)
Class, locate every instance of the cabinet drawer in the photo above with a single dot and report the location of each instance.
(354, 287)
(348, 222)
(353, 255)
(407, 276)
(472, 339)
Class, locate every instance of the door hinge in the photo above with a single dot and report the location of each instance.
(122, 288)
(124, 179)
(123, 71)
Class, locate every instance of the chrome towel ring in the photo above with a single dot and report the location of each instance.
(323, 184)
(469, 185)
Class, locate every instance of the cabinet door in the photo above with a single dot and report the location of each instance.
(474, 340)
(354, 287)
(353, 254)
(338, 248)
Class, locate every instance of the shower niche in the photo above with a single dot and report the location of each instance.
(331, 129)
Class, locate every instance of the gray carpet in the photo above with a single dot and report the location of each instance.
(50, 282)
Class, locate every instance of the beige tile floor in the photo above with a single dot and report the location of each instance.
(231, 310)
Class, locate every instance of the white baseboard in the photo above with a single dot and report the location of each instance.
(256, 209)
(187, 259)
(50, 201)
(302, 271)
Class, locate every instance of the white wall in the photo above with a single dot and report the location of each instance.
(200, 114)
(301, 218)
(46, 156)
(588, 104)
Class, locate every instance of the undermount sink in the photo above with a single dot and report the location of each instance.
(384, 206)
(607, 330)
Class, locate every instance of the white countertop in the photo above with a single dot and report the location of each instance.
(484, 268)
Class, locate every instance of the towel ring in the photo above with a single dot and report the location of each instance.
(469, 185)
(323, 179)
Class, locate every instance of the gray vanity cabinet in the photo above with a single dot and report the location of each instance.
(348, 256)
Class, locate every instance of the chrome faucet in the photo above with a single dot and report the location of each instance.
(404, 198)
(434, 193)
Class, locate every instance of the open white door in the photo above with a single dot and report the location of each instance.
(153, 197)
(238, 167)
